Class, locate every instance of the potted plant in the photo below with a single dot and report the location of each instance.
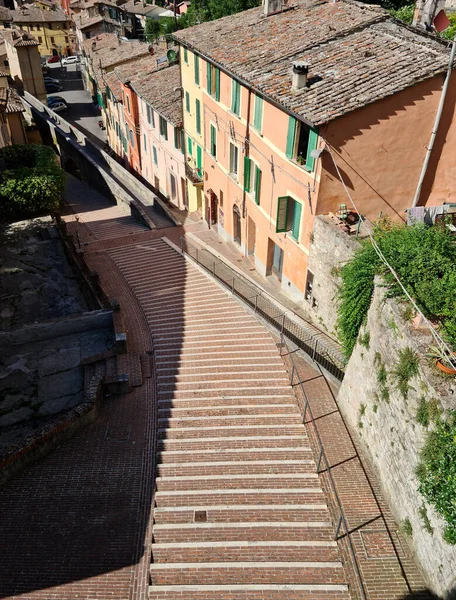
(443, 361)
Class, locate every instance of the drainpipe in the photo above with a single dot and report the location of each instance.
(436, 126)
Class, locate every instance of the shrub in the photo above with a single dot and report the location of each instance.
(406, 527)
(32, 182)
(425, 260)
(427, 412)
(406, 368)
(437, 473)
(405, 13)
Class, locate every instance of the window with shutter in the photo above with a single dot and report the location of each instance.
(176, 138)
(312, 144)
(296, 220)
(199, 160)
(182, 141)
(186, 55)
(190, 146)
(187, 102)
(145, 144)
(257, 185)
(291, 137)
(197, 70)
(234, 160)
(258, 114)
(282, 214)
(209, 77)
(217, 85)
(247, 174)
(235, 97)
(163, 128)
(154, 150)
(213, 141)
(198, 116)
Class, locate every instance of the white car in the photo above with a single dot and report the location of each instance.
(58, 107)
(70, 60)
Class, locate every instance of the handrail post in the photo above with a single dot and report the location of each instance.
(315, 349)
(232, 287)
(182, 243)
(197, 256)
(339, 524)
(319, 459)
(283, 323)
(213, 267)
(292, 374)
(256, 302)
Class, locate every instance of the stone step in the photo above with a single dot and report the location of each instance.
(240, 513)
(243, 531)
(271, 419)
(185, 433)
(185, 456)
(242, 442)
(238, 482)
(225, 411)
(146, 365)
(219, 393)
(217, 365)
(246, 572)
(247, 551)
(238, 401)
(199, 315)
(249, 592)
(226, 468)
(213, 352)
(204, 323)
(272, 495)
(175, 306)
(251, 374)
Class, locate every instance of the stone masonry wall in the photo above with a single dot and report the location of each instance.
(389, 432)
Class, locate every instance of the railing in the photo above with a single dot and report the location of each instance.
(195, 175)
(323, 465)
(318, 349)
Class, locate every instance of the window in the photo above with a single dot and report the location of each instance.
(199, 160)
(301, 140)
(288, 216)
(49, 25)
(197, 70)
(252, 179)
(150, 115)
(177, 138)
(132, 139)
(40, 39)
(67, 41)
(52, 40)
(186, 55)
(128, 103)
(172, 180)
(309, 285)
(145, 144)
(234, 160)
(235, 97)
(213, 81)
(198, 116)
(187, 102)
(154, 151)
(258, 114)
(38, 27)
(221, 197)
(213, 141)
(31, 28)
(163, 128)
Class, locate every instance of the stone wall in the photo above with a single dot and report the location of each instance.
(330, 249)
(388, 430)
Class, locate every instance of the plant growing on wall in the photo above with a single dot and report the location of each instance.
(32, 182)
(425, 260)
(437, 473)
(406, 368)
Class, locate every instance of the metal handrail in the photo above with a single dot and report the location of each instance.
(322, 458)
(258, 299)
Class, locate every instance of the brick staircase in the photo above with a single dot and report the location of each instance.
(239, 510)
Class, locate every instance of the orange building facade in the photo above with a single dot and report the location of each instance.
(132, 132)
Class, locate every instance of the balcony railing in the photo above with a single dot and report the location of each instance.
(195, 175)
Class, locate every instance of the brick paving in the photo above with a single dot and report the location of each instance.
(239, 510)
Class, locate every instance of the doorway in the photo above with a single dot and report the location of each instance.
(277, 260)
(236, 225)
(251, 236)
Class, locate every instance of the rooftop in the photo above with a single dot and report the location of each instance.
(13, 102)
(5, 14)
(159, 86)
(31, 14)
(18, 37)
(357, 54)
(138, 7)
(111, 50)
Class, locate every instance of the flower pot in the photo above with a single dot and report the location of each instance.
(445, 369)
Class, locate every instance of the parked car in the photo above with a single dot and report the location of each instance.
(58, 107)
(53, 59)
(54, 99)
(70, 60)
(52, 87)
(51, 80)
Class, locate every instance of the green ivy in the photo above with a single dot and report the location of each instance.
(32, 182)
(425, 260)
(437, 473)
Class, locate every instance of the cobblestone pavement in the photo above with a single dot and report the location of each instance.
(236, 474)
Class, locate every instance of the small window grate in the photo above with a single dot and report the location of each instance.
(200, 516)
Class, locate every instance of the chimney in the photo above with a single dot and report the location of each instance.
(300, 71)
(271, 7)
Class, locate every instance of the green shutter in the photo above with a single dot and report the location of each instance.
(296, 220)
(213, 140)
(257, 184)
(258, 116)
(187, 102)
(217, 85)
(197, 70)
(154, 149)
(186, 55)
(235, 97)
(198, 116)
(246, 173)
(182, 141)
(291, 136)
(282, 214)
(176, 138)
(190, 146)
(209, 77)
(313, 139)
(199, 160)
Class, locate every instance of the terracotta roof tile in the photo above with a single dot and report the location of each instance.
(31, 14)
(357, 54)
(137, 8)
(111, 51)
(14, 103)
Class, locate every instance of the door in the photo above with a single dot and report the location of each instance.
(236, 225)
(251, 234)
(277, 262)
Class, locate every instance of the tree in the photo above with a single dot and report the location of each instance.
(152, 31)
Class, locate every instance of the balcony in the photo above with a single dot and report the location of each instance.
(195, 175)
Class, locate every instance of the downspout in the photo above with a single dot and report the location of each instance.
(246, 153)
(436, 126)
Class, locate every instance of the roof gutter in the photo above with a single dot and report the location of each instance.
(245, 83)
